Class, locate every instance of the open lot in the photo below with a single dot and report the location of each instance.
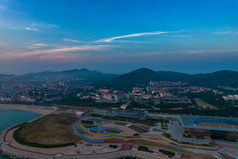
(52, 129)
(203, 104)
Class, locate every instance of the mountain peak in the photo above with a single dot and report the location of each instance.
(143, 70)
(77, 70)
(225, 71)
(84, 69)
(140, 76)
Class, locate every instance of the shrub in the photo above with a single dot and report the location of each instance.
(89, 122)
(166, 135)
(137, 129)
(169, 153)
(144, 148)
(136, 134)
(113, 146)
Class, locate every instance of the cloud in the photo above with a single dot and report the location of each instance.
(226, 32)
(178, 36)
(71, 40)
(44, 25)
(61, 57)
(210, 51)
(181, 52)
(3, 7)
(40, 44)
(37, 45)
(181, 36)
(131, 35)
(54, 51)
(31, 29)
(53, 25)
(188, 52)
(41, 26)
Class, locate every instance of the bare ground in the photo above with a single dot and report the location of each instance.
(203, 104)
(50, 130)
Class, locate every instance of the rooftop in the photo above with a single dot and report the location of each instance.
(212, 123)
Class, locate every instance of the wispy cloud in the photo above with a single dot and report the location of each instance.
(40, 26)
(131, 35)
(226, 32)
(3, 7)
(40, 44)
(181, 52)
(44, 25)
(53, 25)
(37, 45)
(181, 36)
(31, 29)
(54, 51)
(210, 51)
(65, 50)
(71, 40)
(177, 36)
(62, 57)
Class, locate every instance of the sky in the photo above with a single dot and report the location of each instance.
(117, 36)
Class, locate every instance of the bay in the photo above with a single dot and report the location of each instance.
(10, 117)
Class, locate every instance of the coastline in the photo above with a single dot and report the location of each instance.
(6, 150)
(37, 109)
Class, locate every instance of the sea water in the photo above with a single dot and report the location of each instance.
(10, 117)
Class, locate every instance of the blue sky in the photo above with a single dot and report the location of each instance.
(118, 36)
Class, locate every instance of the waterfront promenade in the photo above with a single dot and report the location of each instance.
(8, 149)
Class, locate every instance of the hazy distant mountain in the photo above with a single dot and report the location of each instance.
(224, 77)
(4, 76)
(142, 76)
(138, 77)
(83, 74)
(175, 76)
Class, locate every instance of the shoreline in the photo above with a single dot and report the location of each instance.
(37, 109)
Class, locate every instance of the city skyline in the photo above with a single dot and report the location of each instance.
(119, 36)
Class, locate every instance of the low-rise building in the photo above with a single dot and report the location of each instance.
(210, 127)
(230, 97)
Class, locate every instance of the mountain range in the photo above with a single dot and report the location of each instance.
(135, 78)
(82, 74)
(143, 76)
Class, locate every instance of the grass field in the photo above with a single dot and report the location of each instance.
(203, 104)
(137, 129)
(52, 129)
(90, 126)
(113, 140)
(120, 123)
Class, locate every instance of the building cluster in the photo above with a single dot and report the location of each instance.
(156, 91)
(36, 90)
(230, 97)
(115, 112)
(169, 91)
(228, 88)
(167, 84)
(32, 90)
(105, 95)
(45, 94)
(210, 127)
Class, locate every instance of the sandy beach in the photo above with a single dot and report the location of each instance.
(37, 109)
